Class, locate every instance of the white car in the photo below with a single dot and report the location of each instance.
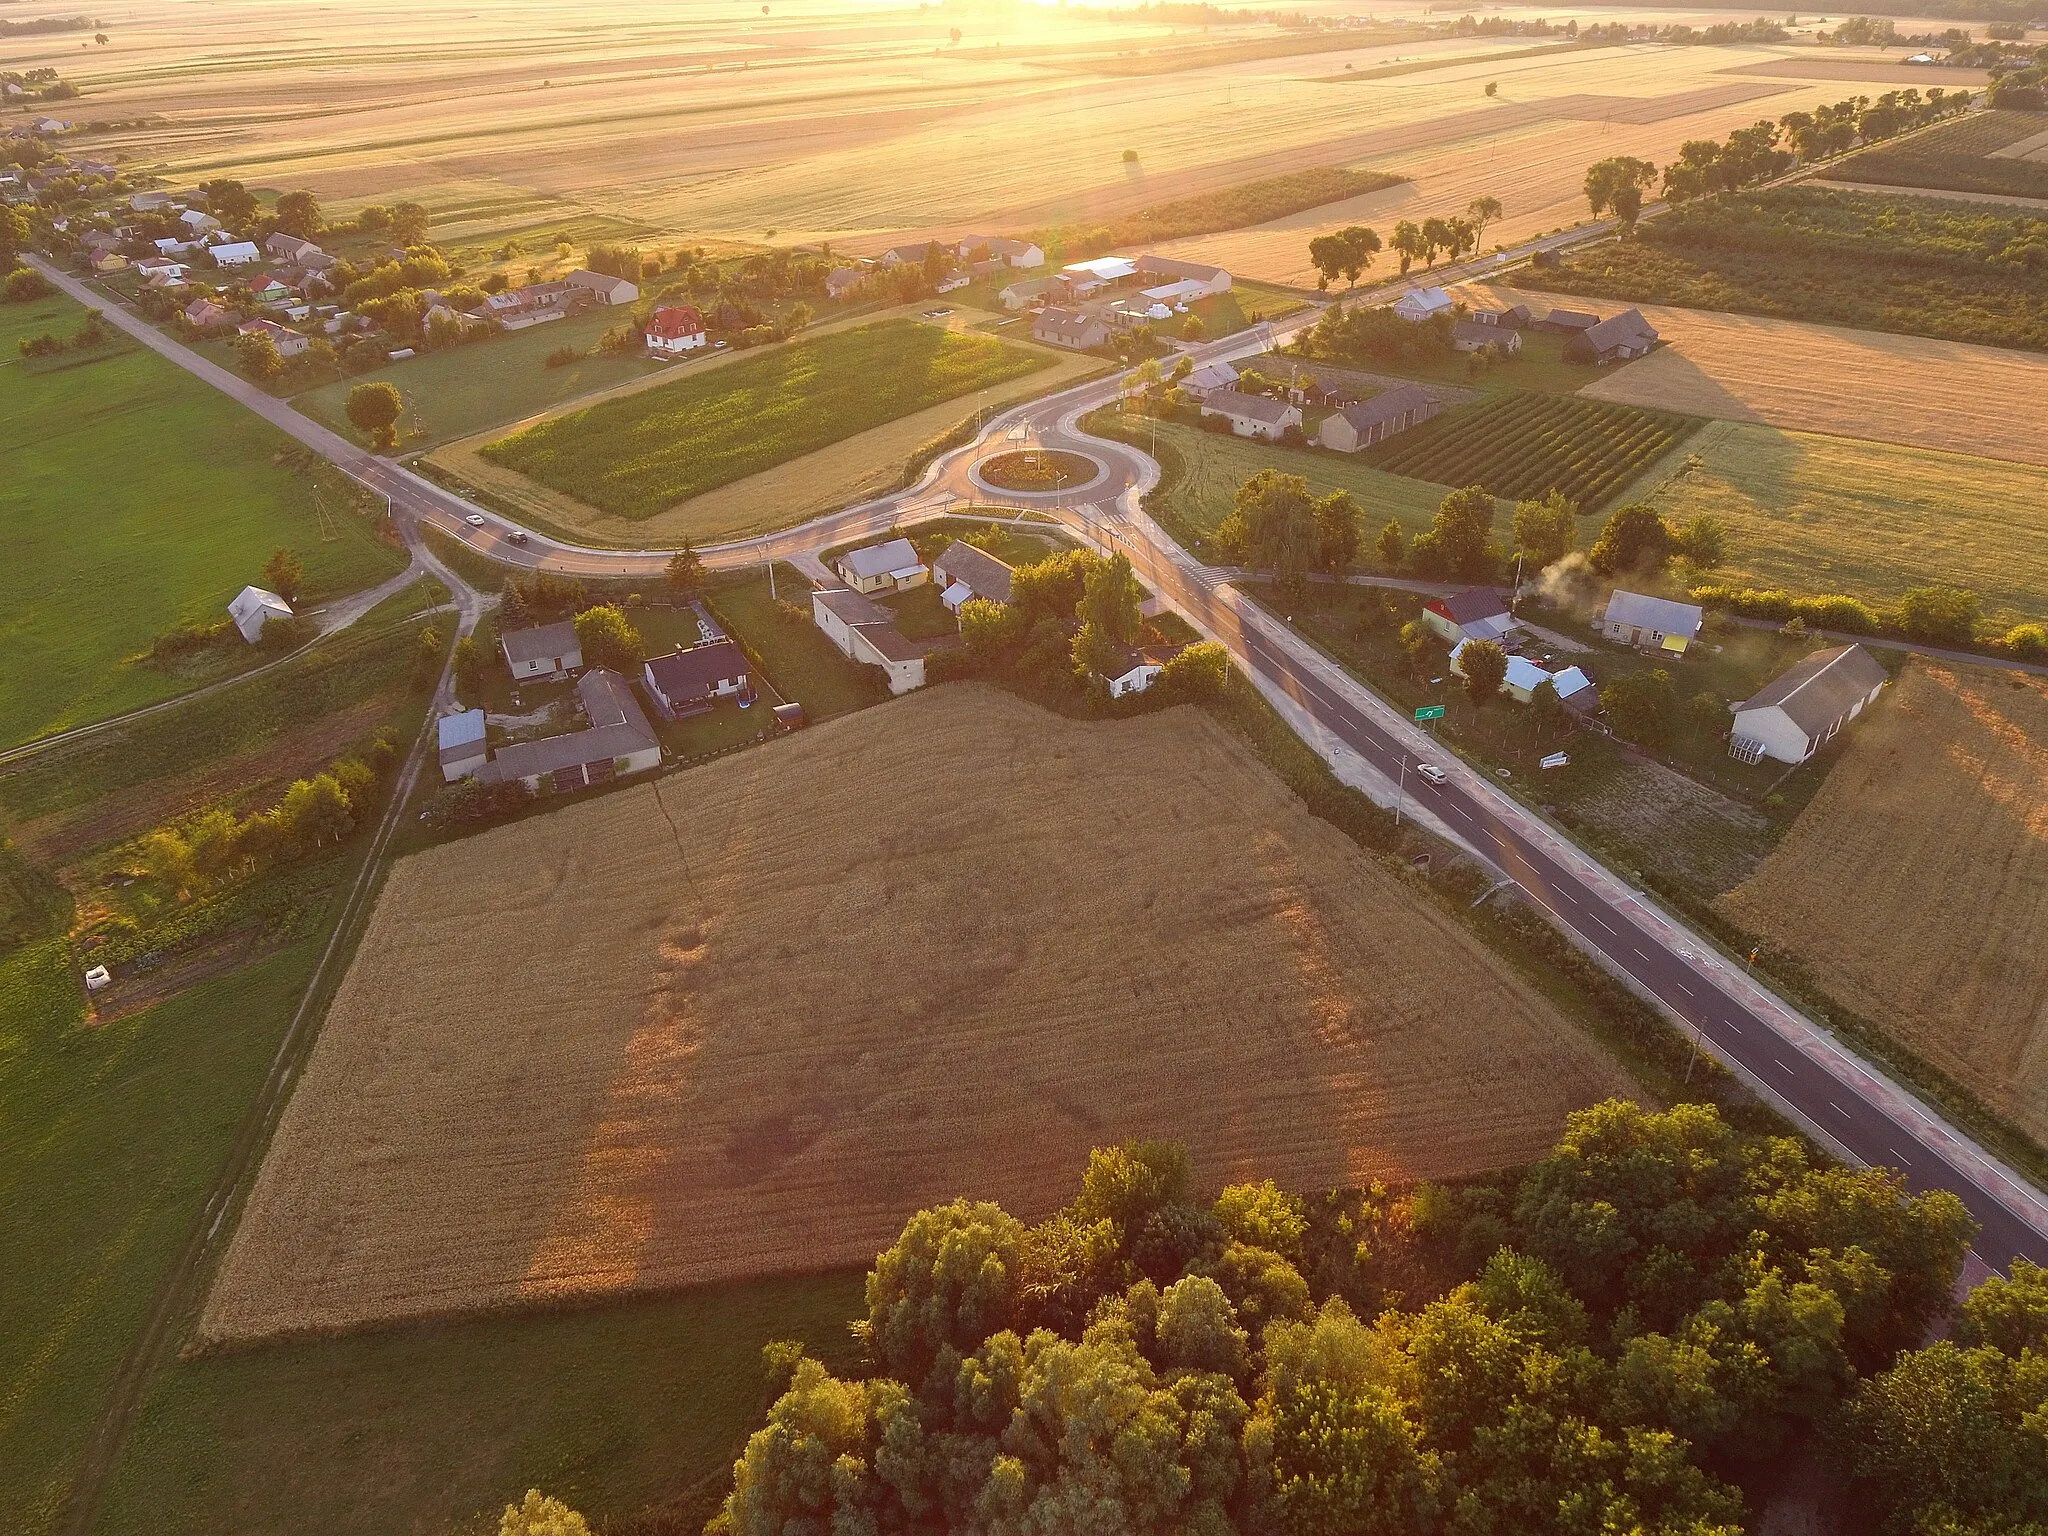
(1431, 772)
(475, 520)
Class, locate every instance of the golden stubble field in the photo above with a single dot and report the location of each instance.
(830, 121)
(748, 1021)
(1916, 884)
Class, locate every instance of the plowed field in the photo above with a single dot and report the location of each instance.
(749, 1020)
(1916, 884)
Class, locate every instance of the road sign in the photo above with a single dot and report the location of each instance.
(1430, 712)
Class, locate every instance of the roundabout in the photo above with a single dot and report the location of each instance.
(1038, 472)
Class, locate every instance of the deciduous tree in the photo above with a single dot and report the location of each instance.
(1616, 186)
(607, 638)
(298, 213)
(374, 409)
(1545, 530)
(283, 572)
(685, 570)
(1484, 666)
(1634, 542)
(1337, 527)
(1460, 539)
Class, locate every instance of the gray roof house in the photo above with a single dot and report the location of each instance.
(1567, 320)
(1371, 421)
(865, 631)
(1212, 278)
(1613, 340)
(620, 740)
(1478, 613)
(1802, 709)
(1474, 336)
(965, 572)
(542, 649)
(886, 567)
(1635, 619)
(1200, 383)
(690, 681)
(1069, 328)
(1252, 415)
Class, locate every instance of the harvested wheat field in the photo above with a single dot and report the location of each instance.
(747, 1020)
(1916, 884)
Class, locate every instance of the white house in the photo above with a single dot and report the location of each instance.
(460, 739)
(236, 253)
(149, 202)
(1421, 303)
(863, 631)
(676, 328)
(602, 286)
(1132, 671)
(1479, 613)
(890, 567)
(1656, 622)
(1205, 278)
(1026, 292)
(1016, 253)
(1200, 383)
(690, 681)
(619, 741)
(253, 607)
(1800, 712)
(544, 650)
(1252, 415)
(1372, 421)
(198, 221)
(964, 572)
(289, 343)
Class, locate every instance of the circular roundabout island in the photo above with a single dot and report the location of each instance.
(1038, 471)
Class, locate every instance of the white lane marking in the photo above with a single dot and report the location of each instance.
(1682, 986)
(1604, 923)
(1901, 1156)
(1784, 1069)
(1838, 1109)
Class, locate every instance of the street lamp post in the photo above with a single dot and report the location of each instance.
(1401, 800)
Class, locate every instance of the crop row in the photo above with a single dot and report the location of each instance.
(1525, 445)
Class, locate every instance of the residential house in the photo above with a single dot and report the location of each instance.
(911, 255)
(1210, 280)
(198, 221)
(107, 261)
(1613, 340)
(1471, 336)
(1806, 705)
(690, 681)
(253, 607)
(542, 650)
(1200, 383)
(1014, 253)
(1372, 421)
(1069, 328)
(236, 253)
(953, 284)
(1478, 613)
(1654, 622)
(1514, 318)
(620, 741)
(863, 630)
(269, 290)
(1423, 303)
(289, 343)
(204, 314)
(841, 281)
(171, 246)
(1252, 415)
(1567, 321)
(889, 567)
(963, 572)
(283, 247)
(676, 328)
(1030, 291)
(602, 286)
(1132, 670)
(459, 739)
(149, 202)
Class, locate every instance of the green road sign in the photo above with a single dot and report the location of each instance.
(1430, 712)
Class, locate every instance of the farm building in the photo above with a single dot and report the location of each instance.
(1472, 336)
(863, 630)
(289, 343)
(912, 255)
(1252, 415)
(290, 248)
(1372, 421)
(602, 286)
(1015, 253)
(237, 253)
(1208, 279)
(1614, 340)
(689, 681)
(1567, 321)
(544, 650)
(1422, 303)
(619, 741)
(149, 202)
(1069, 328)
(841, 281)
(1032, 290)
(1479, 613)
(460, 740)
(254, 607)
(890, 567)
(1200, 383)
(676, 328)
(1085, 277)
(197, 221)
(1656, 622)
(1576, 690)
(964, 572)
(1514, 318)
(1800, 712)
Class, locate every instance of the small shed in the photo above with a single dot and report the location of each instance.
(460, 739)
(1632, 618)
(254, 607)
(965, 572)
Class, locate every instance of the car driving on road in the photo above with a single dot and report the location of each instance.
(1431, 772)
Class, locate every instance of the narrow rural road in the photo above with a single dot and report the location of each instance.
(1792, 1063)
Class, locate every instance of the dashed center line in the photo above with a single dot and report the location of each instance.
(1838, 1109)
(1783, 1068)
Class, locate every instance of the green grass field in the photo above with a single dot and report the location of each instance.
(1204, 469)
(802, 664)
(435, 1428)
(109, 1138)
(489, 383)
(136, 498)
(1539, 366)
(1528, 445)
(636, 456)
(1830, 514)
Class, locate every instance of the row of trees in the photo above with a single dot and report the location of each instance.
(1348, 252)
(1610, 1343)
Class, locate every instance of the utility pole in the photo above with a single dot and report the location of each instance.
(1401, 800)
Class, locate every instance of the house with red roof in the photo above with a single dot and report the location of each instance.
(676, 328)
